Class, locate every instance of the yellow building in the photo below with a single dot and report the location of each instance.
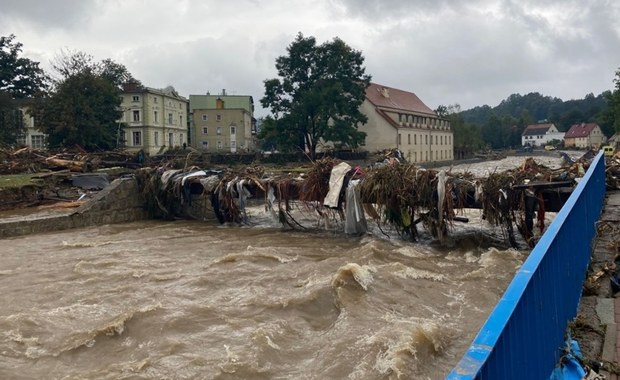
(153, 120)
(399, 119)
(222, 123)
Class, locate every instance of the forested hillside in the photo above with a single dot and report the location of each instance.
(501, 126)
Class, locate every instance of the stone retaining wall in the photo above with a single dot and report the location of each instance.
(120, 202)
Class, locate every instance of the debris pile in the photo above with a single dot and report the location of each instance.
(401, 196)
(28, 160)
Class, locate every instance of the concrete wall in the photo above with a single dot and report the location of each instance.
(120, 202)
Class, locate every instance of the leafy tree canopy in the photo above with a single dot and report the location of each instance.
(19, 77)
(84, 106)
(614, 103)
(83, 110)
(69, 63)
(316, 97)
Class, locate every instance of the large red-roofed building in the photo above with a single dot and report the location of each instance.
(399, 119)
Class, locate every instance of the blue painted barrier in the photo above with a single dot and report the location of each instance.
(522, 337)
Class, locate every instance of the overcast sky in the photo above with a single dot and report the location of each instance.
(471, 52)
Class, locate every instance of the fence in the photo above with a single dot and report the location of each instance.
(522, 337)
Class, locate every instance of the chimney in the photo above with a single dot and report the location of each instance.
(385, 92)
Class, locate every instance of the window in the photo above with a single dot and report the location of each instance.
(155, 116)
(155, 99)
(415, 139)
(219, 145)
(219, 130)
(233, 131)
(409, 138)
(135, 98)
(233, 144)
(205, 145)
(170, 140)
(156, 137)
(205, 130)
(37, 141)
(426, 139)
(136, 115)
(399, 139)
(218, 117)
(205, 117)
(137, 138)
(180, 120)
(170, 118)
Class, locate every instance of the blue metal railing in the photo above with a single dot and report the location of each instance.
(522, 337)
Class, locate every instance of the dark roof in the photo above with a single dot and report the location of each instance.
(536, 129)
(395, 99)
(580, 130)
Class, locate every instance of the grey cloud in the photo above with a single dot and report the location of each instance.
(48, 14)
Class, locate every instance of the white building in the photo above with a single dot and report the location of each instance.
(540, 134)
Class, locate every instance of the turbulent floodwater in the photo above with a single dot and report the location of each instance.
(197, 300)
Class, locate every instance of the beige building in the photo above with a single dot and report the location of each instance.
(584, 135)
(32, 137)
(222, 123)
(399, 119)
(153, 120)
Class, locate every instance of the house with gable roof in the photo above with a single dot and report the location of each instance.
(584, 135)
(540, 134)
(399, 119)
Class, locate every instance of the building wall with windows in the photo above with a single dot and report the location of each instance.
(32, 137)
(399, 119)
(222, 123)
(154, 120)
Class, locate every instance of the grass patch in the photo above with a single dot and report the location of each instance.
(18, 180)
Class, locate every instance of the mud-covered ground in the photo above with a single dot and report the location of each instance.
(587, 328)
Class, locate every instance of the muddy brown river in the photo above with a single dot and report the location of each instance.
(195, 300)
(198, 300)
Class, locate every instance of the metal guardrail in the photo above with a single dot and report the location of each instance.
(522, 337)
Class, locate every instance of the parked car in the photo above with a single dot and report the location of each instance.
(608, 150)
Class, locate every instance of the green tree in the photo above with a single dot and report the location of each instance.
(467, 137)
(614, 102)
(83, 110)
(317, 97)
(20, 79)
(11, 121)
(84, 106)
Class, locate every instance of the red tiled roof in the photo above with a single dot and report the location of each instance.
(580, 130)
(536, 129)
(387, 97)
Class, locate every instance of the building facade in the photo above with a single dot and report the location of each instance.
(154, 120)
(222, 123)
(540, 134)
(399, 119)
(32, 137)
(585, 136)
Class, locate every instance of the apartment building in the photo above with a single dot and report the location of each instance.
(222, 123)
(154, 120)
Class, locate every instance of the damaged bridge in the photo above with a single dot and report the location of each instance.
(401, 196)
